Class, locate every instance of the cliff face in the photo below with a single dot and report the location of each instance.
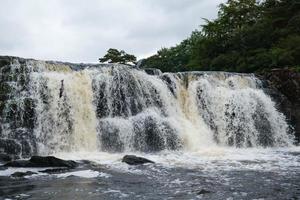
(284, 87)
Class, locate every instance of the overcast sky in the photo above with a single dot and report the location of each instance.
(82, 30)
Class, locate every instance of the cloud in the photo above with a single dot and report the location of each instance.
(82, 31)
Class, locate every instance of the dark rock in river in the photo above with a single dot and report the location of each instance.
(22, 174)
(203, 191)
(134, 160)
(39, 161)
(55, 170)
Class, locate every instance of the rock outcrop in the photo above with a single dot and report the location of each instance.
(153, 71)
(283, 85)
(16, 121)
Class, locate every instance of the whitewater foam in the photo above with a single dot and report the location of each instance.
(117, 108)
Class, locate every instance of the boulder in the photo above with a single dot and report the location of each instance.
(134, 160)
(22, 174)
(40, 161)
(55, 170)
(203, 191)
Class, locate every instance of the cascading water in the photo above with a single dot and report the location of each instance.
(53, 107)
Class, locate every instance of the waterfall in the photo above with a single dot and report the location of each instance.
(50, 107)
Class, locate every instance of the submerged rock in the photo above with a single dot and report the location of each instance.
(39, 161)
(22, 174)
(203, 191)
(134, 160)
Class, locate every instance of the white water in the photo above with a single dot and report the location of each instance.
(212, 161)
(117, 108)
(66, 122)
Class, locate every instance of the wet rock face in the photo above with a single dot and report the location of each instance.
(148, 135)
(16, 114)
(283, 85)
(10, 147)
(152, 135)
(153, 71)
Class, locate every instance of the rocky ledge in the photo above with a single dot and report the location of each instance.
(284, 86)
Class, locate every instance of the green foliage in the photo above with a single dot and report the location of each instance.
(247, 36)
(116, 56)
(175, 58)
(297, 68)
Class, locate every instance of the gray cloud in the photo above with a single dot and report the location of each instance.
(82, 31)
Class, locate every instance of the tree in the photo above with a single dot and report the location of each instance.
(116, 56)
(247, 36)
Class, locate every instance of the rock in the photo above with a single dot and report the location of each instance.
(39, 161)
(18, 163)
(134, 160)
(283, 85)
(203, 191)
(22, 174)
(169, 82)
(153, 71)
(14, 79)
(55, 170)
(139, 63)
(52, 162)
(5, 157)
(154, 135)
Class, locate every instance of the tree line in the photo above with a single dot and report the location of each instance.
(247, 36)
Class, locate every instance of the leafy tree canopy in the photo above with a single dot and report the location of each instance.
(247, 36)
(116, 56)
